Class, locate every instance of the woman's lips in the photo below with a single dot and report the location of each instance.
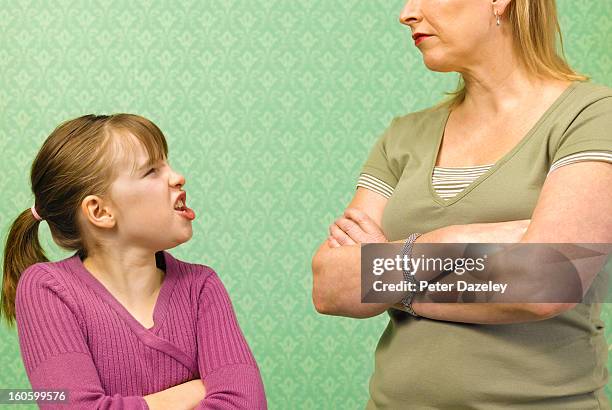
(419, 39)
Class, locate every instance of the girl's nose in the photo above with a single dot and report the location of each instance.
(177, 179)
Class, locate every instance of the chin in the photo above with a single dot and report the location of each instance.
(187, 236)
(179, 239)
(435, 63)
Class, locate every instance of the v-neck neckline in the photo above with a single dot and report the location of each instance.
(163, 297)
(497, 164)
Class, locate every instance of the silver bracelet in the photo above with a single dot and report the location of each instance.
(407, 251)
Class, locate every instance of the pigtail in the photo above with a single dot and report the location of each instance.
(22, 249)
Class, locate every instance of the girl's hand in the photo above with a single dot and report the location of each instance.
(354, 227)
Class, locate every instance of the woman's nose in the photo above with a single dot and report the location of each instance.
(411, 13)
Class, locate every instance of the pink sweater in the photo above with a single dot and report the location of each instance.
(75, 335)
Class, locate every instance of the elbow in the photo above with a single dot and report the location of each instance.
(318, 297)
(334, 293)
(542, 311)
(320, 292)
(320, 303)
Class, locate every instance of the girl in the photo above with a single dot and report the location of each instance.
(121, 323)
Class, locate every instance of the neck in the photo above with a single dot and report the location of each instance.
(512, 97)
(131, 275)
(496, 79)
(495, 94)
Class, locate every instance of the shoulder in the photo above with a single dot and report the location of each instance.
(42, 287)
(195, 276)
(587, 91)
(205, 286)
(413, 133)
(588, 103)
(421, 120)
(414, 126)
(582, 124)
(585, 99)
(192, 270)
(41, 275)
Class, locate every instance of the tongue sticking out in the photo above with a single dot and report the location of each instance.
(187, 213)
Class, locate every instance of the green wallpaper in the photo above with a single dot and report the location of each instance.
(269, 108)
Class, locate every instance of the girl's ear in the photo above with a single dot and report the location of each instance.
(97, 212)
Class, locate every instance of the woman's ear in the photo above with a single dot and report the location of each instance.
(500, 6)
(97, 212)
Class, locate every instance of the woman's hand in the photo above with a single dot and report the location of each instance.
(354, 227)
(185, 396)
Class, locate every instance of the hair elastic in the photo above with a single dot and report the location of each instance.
(38, 218)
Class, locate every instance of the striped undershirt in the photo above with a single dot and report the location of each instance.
(450, 181)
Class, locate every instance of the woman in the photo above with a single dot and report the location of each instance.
(521, 153)
(121, 324)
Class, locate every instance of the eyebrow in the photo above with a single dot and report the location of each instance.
(147, 164)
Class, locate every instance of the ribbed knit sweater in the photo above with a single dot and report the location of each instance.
(75, 335)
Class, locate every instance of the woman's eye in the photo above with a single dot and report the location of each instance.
(151, 170)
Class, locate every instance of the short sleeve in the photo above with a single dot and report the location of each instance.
(225, 361)
(54, 350)
(599, 156)
(590, 131)
(377, 174)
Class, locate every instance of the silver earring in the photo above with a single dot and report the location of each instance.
(497, 18)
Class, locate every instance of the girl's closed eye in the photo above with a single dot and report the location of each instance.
(154, 169)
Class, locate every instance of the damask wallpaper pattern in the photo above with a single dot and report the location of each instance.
(270, 108)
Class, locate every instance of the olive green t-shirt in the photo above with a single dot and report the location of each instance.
(558, 363)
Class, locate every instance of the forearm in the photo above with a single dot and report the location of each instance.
(234, 387)
(543, 281)
(81, 381)
(337, 283)
(183, 396)
(337, 278)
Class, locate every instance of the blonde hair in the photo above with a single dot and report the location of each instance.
(79, 158)
(535, 29)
